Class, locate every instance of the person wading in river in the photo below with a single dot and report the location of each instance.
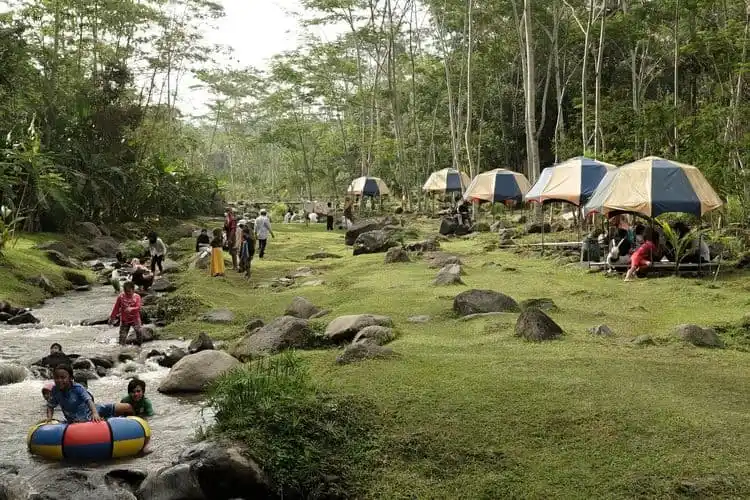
(128, 308)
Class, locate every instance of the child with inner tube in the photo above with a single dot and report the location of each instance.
(76, 403)
(137, 399)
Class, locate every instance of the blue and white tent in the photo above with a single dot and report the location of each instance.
(573, 181)
(497, 185)
(368, 186)
(447, 181)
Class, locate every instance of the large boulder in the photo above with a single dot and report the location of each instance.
(45, 284)
(195, 372)
(396, 254)
(373, 242)
(282, 333)
(345, 328)
(362, 351)
(361, 227)
(449, 275)
(428, 245)
(535, 325)
(57, 246)
(301, 308)
(75, 278)
(162, 285)
(11, 374)
(448, 227)
(60, 259)
(209, 470)
(483, 301)
(53, 483)
(88, 230)
(699, 336)
(23, 318)
(439, 260)
(201, 343)
(172, 357)
(103, 246)
(169, 266)
(379, 335)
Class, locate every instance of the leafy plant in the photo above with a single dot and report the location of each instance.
(8, 225)
(680, 244)
(312, 443)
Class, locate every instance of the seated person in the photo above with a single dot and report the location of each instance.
(56, 357)
(76, 403)
(141, 277)
(203, 242)
(137, 399)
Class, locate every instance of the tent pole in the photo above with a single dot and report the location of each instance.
(542, 207)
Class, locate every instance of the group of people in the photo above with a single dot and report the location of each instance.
(638, 246)
(329, 212)
(77, 403)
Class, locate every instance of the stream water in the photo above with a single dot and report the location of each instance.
(21, 405)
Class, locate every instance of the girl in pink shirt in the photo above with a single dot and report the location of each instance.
(128, 308)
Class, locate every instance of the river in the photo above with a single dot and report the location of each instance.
(21, 405)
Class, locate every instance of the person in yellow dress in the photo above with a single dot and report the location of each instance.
(217, 254)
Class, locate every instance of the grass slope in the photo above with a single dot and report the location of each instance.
(21, 261)
(472, 412)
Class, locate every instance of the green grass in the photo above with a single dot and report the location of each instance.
(470, 411)
(20, 262)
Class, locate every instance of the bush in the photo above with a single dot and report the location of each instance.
(172, 307)
(311, 443)
(277, 212)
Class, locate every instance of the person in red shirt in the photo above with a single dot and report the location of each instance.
(641, 258)
(128, 308)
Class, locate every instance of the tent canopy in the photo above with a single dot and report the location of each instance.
(573, 181)
(497, 186)
(368, 186)
(447, 180)
(653, 186)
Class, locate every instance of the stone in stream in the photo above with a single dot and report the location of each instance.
(5, 317)
(219, 316)
(53, 483)
(212, 470)
(82, 288)
(162, 284)
(11, 374)
(201, 343)
(105, 362)
(195, 372)
(282, 333)
(23, 318)
(99, 320)
(172, 356)
(84, 364)
(76, 278)
(45, 284)
(53, 359)
(80, 375)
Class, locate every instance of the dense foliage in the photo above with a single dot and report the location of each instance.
(79, 140)
(311, 443)
(411, 86)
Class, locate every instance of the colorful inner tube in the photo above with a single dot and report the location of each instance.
(116, 437)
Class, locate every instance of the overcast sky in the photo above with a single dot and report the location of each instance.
(256, 30)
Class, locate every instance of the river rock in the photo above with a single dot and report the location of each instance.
(535, 325)
(61, 259)
(345, 328)
(210, 470)
(395, 255)
(45, 284)
(195, 372)
(373, 242)
(103, 246)
(282, 333)
(11, 374)
(172, 357)
(699, 336)
(201, 343)
(86, 375)
(449, 275)
(162, 284)
(301, 308)
(379, 335)
(77, 279)
(57, 246)
(53, 483)
(219, 316)
(439, 260)
(483, 301)
(358, 228)
(98, 320)
(253, 324)
(362, 351)
(84, 364)
(22, 319)
(169, 266)
(103, 361)
(88, 230)
(82, 288)
(148, 334)
(428, 245)
(5, 317)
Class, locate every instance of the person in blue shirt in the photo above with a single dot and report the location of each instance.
(76, 403)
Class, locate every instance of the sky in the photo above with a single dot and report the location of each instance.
(256, 30)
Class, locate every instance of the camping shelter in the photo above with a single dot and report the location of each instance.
(447, 181)
(499, 185)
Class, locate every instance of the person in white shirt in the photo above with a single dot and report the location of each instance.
(314, 218)
(262, 231)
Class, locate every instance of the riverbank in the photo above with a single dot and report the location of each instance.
(469, 410)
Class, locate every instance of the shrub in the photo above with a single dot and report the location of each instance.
(172, 307)
(311, 443)
(277, 212)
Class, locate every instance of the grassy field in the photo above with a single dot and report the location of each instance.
(469, 411)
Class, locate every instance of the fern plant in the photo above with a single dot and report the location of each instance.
(680, 244)
(8, 225)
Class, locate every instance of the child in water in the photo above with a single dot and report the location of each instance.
(128, 308)
(76, 403)
(137, 399)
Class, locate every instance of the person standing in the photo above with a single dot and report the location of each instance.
(329, 217)
(348, 212)
(203, 241)
(128, 308)
(230, 229)
(262, 231)
(217, 254)
(158, 251)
